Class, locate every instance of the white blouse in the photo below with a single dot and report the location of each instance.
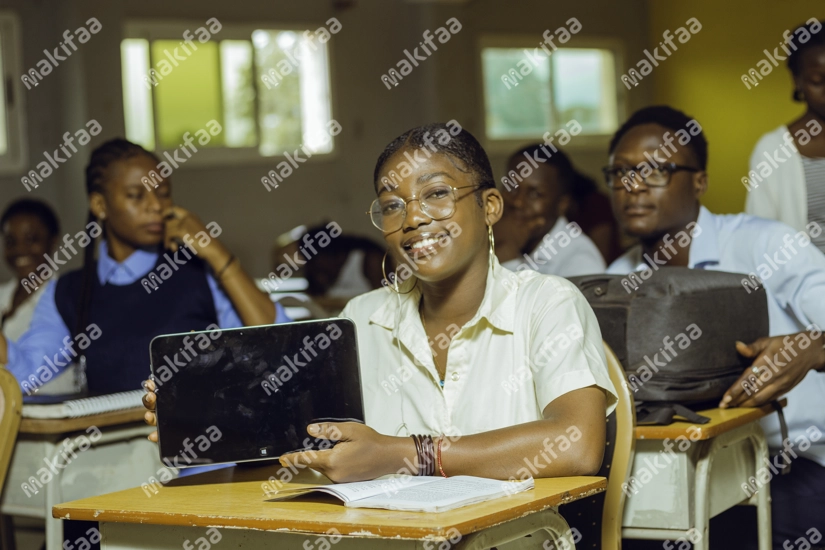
(533, 339)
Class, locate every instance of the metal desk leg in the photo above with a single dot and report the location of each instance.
(548, 520)
(707, 452)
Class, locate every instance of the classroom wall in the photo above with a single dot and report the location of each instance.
(339, 188)
(703, 79)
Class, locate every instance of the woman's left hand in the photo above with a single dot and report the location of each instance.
(360, 454)
(181, 227)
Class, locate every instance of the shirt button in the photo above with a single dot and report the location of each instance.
(454, 377)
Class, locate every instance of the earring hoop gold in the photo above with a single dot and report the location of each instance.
(394, 285)
(492, 242)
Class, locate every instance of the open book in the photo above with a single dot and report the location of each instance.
(415, 494)
(69, 406)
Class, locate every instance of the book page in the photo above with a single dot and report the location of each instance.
(351, 492)
(445, 494)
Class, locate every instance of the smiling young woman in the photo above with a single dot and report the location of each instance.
(436, 218)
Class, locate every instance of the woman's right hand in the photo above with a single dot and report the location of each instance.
(149, 401)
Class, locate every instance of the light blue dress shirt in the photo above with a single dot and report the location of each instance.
(48, 331)
(794, 280)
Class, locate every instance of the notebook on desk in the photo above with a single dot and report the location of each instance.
(77, 405)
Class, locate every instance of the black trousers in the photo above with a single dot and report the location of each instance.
(798, 505)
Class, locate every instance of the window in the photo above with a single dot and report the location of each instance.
(12, 105)
(528, 92)
(267, 89)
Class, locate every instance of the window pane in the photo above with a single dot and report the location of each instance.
(137, 92)
(293, 92)
(584, 88)
(189, 94)
(238, 93)
(516, 104)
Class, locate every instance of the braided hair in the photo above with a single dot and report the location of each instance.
(98, 172)
(463, 147)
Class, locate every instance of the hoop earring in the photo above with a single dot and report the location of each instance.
(798, 96)
(394, 285)
(492, 242)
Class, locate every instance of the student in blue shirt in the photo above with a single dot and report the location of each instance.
(657, 174)
(158, 270)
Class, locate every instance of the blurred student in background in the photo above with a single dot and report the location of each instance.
(104, 315)
(591, 210)
(534, 232)
(793, 189)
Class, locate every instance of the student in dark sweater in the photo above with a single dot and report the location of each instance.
(158, 270)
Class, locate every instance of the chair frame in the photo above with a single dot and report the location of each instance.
(11, 409)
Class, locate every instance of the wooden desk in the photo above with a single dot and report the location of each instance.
(233, 498)
(122, 457)
(684, 474)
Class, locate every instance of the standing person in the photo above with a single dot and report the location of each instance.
(158, 270)
(660, 206)
(534, 232)
(460, 326)
(793, 189)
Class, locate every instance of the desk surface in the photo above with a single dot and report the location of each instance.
(721, 421)
(233, 497)
(65, 425)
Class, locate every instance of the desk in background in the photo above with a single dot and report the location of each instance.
(703, 478)
(121, 458)
(232, 500)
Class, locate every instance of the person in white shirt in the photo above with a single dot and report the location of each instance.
(533, 232)
(786, 180)
(510, 365)
(654, 203)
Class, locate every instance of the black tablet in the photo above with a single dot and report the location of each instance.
(238, 395)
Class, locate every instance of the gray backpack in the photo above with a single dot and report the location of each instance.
(675, 332)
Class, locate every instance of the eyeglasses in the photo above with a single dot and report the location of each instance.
(620, 177)
(437, 201)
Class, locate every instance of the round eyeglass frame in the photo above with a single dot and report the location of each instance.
(423, 205)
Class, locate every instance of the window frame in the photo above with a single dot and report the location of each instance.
(167, 29)
(15, 160)
(590, 142)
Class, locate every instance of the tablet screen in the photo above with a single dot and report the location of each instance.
(245, 394)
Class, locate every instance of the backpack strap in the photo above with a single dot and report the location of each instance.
(662, 414)
(783, 428)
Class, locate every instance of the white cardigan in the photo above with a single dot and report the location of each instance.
(782, 195)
